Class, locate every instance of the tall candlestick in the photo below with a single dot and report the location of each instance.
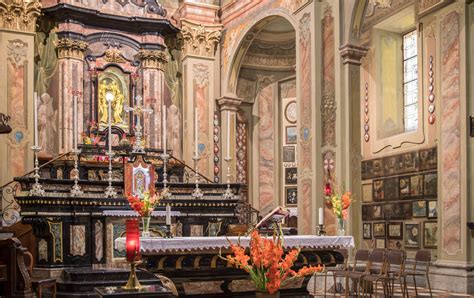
(321, 216)
(109, 96)
(228, 135)
(168, 214)
(196, 131)
(74, 116)
(164, 129)
(35, 113)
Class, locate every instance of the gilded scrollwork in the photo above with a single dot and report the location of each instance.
(199, 40)
(19, 15)
(71, 48)
(153, 59)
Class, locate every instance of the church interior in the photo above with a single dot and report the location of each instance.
(236, 148)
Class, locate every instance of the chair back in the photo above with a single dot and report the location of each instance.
(376, 263)
(345, 254)
(28, 258)
(396, 259)
(422, 260)
(361, 256)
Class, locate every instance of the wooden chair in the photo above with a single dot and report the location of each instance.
(420, 268)
(39, 284)
(339, 269)
(396, 269)
(376, 273)
(355, 272)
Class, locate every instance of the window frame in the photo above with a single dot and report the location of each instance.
(416, 79)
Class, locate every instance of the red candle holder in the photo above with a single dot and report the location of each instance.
(132, 244)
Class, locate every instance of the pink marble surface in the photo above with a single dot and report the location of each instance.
(266, 168)
(329, 118)
(450, 135)
(153, 95)
(201, 99)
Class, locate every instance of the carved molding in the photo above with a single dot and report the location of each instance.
(305, 32)
(328, 113)
(230, 103)
(258, 61)
(71, 48)
(153, 59)
(427, 6)
(19, 15)
(17, 51)
(352, 54)
(199, 40)
(201, 74)
(151, 6)
(241, 151)
(114, 56)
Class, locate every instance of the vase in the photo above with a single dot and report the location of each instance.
(146, 226)
(341, 227)
(265, 294)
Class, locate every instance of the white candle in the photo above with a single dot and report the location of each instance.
(74, 116)
(35, 113)
(164, 129)
(168, 214)
(109, 97)
(321, 216)
(196, 131)
(228, 135)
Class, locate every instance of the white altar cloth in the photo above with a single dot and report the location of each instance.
(182, 244)
(132, 213)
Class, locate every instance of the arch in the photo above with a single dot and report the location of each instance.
(112, 36)
(246, 39)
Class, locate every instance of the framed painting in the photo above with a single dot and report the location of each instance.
(430, 234)
(367, 230)
(432, 209)
(395, 230)
(419, 209)
(380, 243)
(391, 189)
(416, 185)
(367, 193)
(378, 190)
(412, 235)
(291, 196)
(291, 134)
(379, 229)
(289, 154)
(377, 212)
(366, 212)
(431, 184)
(404, 184)
(291, 176)
(290, 112)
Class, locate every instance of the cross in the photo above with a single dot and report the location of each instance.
(138, 110)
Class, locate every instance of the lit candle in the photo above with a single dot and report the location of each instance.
(74, 116)
(196, 131)
(228, 135)
(168, 214)
(164, 129)
(321, 216)
(35, 113)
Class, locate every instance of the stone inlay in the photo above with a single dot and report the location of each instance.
(431, 96)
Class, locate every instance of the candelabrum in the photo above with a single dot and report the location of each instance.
(321, 230)
(110, 191)
(37, 188)
(228, 194)
(197, 193)
(76, 189)
(165, 193)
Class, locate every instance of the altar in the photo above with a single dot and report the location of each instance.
(194, 264)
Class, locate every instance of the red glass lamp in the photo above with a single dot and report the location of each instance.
(132, 244)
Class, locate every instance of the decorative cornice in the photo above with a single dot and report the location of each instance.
(71, 48)
(153, 59)
(352, 54)
(199, 40)
(229, 102)
(19, 15)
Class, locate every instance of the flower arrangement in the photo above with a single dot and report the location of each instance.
(267, 265)
(93, 138)
(144, 204)
(340, 204)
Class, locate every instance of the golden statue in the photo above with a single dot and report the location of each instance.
(110, 86)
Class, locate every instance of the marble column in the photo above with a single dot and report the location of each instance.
(17, 35)
(71, 69)
(228, 106)
(152, 65)
(200, 73)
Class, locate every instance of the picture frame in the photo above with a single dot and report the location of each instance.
(367, 193)
(430, 234)
(431, 184)
(291, 176)
(377, 212)
(366, 230)
(419, 209)
(416, 185)
(378, 190)
(289, 154)
(379, 229)
(412, 235)
(391, 186)
(395, 230)
(380, 243)
(291, 134)
(433, 209)
(291, 196)
(291, 112)
(404, 186)
(366, 212)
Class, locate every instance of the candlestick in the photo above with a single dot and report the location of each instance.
(196, 153)
(165, 193)
(228, 135)
(228, 194)
(321, 216)
(74, 116)
(35, 113)
(197, 193)
(110, 191)
(168, 214)
(164, 128)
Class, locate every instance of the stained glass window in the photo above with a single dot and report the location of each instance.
(410, 81)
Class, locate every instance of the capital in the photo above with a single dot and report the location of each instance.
(153, 59)
(71, 48)
(229, 103)
(352, 54)
(19, 15)
(199, 40)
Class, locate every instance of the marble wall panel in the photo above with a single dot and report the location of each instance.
(450, 134)
(99, 240)
(77, 238)
(201, 100)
